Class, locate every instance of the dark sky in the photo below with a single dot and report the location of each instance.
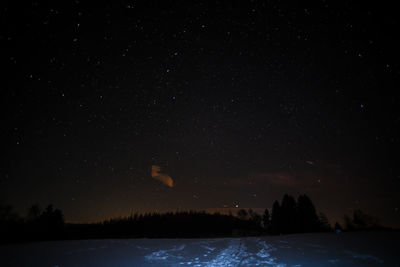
(237, 103)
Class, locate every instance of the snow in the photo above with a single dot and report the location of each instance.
(322, 249)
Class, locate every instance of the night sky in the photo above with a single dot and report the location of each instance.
(165, 105)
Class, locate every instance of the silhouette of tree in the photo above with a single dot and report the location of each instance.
(288, 214)
(266, 220)
(33, 213)
(364, 221)
(348, 223)
(323, 223)
(10, 223)
(250, 212)
(276, 218)
(242, 214)
(7, 214)
(52, 218)
(288, 217)
(307, 218)
(255, 218)
(360, 219)
(293, 217)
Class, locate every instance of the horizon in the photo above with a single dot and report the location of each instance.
(155, 106)
(231, 211)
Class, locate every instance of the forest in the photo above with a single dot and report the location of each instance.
(286, 217)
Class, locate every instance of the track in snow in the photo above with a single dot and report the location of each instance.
(328, 249)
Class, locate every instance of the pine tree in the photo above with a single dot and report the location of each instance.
(288, 214)
(307, 218)
(266, 220)
(276, 218)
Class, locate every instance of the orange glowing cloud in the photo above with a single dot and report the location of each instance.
(162, 177)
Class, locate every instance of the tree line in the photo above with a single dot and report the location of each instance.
(287, 217)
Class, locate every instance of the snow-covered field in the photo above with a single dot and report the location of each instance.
(327, 249)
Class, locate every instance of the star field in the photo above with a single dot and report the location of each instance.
(238, 103)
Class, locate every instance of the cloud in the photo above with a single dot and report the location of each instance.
(311, 177)
(279, 178)
(162, 177)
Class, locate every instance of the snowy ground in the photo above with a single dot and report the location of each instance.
(328, 249)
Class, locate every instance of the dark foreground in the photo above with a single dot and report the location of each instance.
(324, 249)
